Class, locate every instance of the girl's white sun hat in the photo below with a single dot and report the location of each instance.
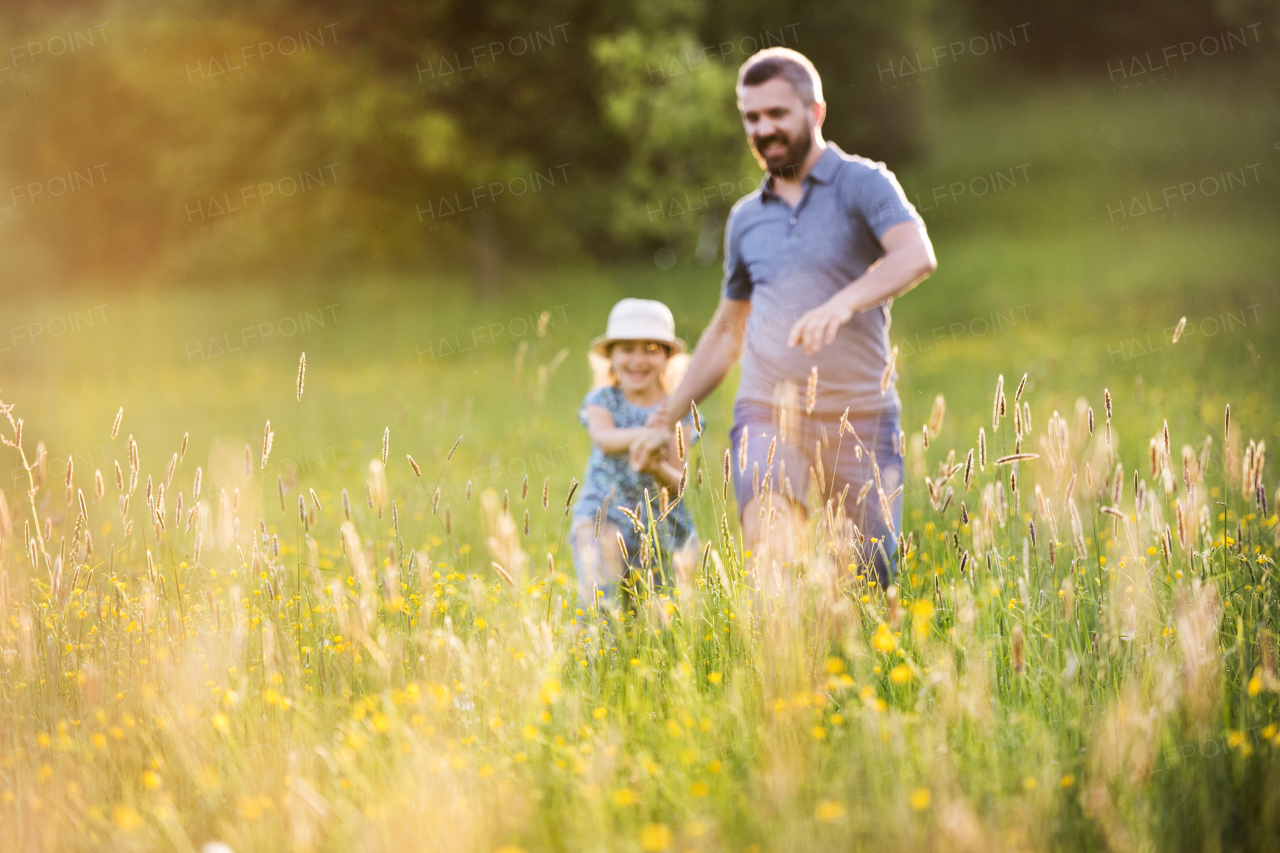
(639, 320)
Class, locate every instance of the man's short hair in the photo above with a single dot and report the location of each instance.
(791, 65)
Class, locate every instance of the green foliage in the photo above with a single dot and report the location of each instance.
(451, 106)
(687, 164)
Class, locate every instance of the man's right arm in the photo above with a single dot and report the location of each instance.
(717, 351)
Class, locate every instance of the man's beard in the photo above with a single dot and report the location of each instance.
(796, 150)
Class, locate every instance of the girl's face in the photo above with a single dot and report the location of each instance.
(639, 365)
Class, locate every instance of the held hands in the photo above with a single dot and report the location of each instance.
(650, 447)
(817, 328)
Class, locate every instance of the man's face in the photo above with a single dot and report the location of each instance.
(778, 123)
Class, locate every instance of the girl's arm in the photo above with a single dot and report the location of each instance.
(605, 435)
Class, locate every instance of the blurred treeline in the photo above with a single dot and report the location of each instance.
(160, 141)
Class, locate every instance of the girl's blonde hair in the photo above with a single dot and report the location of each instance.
(602, 371)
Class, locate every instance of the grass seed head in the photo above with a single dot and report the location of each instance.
(938, 415)
(267, 436)
(997, 407)
(888, 370)
(1019, 650)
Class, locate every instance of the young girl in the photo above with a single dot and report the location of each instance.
(637, 362)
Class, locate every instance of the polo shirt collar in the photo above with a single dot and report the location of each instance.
(822, 172)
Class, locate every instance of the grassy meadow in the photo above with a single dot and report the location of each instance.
(294, 637)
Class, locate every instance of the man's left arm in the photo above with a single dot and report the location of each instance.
(908, 259)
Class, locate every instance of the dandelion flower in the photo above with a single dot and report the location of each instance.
(883, 639)
(655, 837)
(829, 810)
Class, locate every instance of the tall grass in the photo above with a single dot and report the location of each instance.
(1075, 655)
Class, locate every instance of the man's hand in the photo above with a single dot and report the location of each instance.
(908, 258)
(817, 328)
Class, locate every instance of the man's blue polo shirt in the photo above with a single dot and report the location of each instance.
(787, 261)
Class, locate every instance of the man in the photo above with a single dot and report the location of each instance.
(813, 259)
